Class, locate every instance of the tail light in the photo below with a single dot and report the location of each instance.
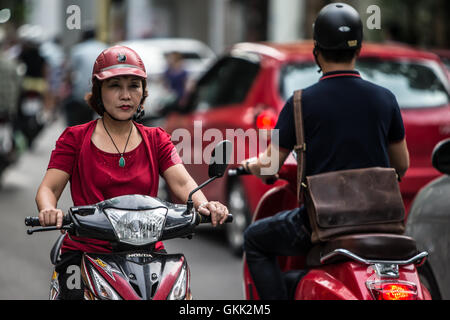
(266, 119)
(392, 290)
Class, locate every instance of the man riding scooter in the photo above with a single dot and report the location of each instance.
(349, 123)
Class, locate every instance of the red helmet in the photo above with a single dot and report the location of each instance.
(118, 61)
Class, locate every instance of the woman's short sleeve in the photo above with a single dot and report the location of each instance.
(64, 155)
(167, 153)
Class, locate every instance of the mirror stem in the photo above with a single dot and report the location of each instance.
(190, 203)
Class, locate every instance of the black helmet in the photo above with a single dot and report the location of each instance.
(338, 27)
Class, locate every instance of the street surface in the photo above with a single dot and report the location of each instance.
(25, 267)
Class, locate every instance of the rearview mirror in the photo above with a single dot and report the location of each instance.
(220, 158)
(441, 156)
(218, 164)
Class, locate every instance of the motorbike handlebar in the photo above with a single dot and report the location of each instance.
(207, 219)
(34, 221)
(240, 171)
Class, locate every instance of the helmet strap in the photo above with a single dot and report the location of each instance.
(316, 55)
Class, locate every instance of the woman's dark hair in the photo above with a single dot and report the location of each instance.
(94, 98)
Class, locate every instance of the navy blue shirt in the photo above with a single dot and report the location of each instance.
(176, 79)
(348, 123)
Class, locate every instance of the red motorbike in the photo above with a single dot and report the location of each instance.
(133, 224)
(351, 267)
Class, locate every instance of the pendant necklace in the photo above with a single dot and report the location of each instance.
(122, 159)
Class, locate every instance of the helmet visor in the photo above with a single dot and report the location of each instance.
(120, 70)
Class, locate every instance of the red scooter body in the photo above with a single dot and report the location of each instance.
(134, 276)
(346, 278)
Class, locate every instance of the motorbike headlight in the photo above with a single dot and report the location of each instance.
(137, 227)
(179, 289)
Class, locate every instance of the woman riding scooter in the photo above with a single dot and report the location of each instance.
(349, 123)
(113, 156)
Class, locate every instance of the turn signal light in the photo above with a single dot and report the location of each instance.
(392, 290)
(267, 119)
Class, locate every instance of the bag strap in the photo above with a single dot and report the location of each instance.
(300, 148)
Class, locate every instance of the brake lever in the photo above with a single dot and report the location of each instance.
(43, 229)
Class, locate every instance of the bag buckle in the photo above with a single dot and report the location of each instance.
(301, 147)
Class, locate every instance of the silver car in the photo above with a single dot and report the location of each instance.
(429, 224)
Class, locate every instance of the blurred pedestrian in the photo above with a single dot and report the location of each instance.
(53, 53)
(78, 76)
(176, 77)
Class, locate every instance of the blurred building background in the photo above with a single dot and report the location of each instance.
(220, 23)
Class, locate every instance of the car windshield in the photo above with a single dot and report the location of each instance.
(296, 76)
(415, 85)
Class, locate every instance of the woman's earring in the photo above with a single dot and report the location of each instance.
(139, 114)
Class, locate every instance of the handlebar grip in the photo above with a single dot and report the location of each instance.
(34, 221)
(239, 171)
(207, 219)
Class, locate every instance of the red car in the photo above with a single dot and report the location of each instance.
(247, 88)
(444, 54)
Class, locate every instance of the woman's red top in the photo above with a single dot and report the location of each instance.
(95, 175)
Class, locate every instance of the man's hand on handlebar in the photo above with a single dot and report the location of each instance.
(252, 166)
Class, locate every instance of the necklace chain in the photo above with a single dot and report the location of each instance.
(122, 160)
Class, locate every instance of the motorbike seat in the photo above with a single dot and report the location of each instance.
(376, 246)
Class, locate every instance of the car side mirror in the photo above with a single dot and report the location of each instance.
(220, 159)
(441, 156)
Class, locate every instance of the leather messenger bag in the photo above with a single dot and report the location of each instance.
(350, 201)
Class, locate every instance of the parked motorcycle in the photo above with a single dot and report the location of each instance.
(133, 224)
(30, 118)
(351, 267)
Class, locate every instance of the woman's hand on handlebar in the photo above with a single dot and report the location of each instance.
(218, 212)
(51, 217)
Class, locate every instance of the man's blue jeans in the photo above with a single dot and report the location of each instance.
(285, 234)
